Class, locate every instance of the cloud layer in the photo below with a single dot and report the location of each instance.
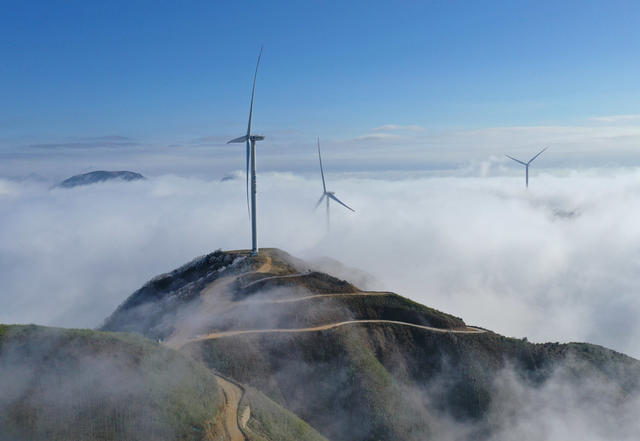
(600, 141)
(557, 263)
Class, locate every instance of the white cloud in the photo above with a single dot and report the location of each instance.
(558, 263)
(616, 119)
(391, 127)
(594, 145)
(578, 139)
(565, 407)
(6, 188)
(378, 137)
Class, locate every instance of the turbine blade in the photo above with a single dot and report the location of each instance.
(241, 139)
(320, 201)
(247, 174)
(531, 160)
(253, 91)
(324, 187)
(340, 202)
(517, 160)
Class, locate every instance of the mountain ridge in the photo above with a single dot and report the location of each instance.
(98, 176)
(356, 365)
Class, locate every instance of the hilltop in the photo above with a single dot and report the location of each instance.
(99, 176)
(230, 291)
(354, 364)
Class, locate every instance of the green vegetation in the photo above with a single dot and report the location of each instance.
(332, 379)
(385, 381)
(270, 421)
(86, 385)
(357, 382)
(395, 307)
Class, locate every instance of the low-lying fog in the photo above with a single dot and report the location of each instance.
(557, 263)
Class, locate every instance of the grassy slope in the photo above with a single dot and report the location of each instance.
(366, 382)
(86, 385)
(383, 382)
(61, 384)
(321, 311)
(270, 421)
(332, 379)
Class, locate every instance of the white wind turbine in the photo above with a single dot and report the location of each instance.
(251, 159)
(526, 164)
(328, 194)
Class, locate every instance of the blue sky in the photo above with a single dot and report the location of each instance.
(172, 73)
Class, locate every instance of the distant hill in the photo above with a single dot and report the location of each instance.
(99, 176)
(358, 365)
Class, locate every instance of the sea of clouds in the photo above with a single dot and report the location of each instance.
(559, 262)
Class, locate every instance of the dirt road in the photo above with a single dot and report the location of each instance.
(232, 396)
(467, 330)
(315, 296)
(264, 279)
(266, 266)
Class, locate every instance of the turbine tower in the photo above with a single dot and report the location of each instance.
(526, 164)
(328, 194)
(251, 163)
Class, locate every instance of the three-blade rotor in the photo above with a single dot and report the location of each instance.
(530, 160)
(325, 193)
(526, 165)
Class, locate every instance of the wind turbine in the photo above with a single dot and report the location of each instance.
(526, 164)
(251, 162)
(328, 194)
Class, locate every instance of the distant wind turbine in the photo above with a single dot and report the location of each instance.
(328, 194)
(526, 164)
(251, 159)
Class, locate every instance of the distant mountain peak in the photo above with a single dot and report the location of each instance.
(99, 176)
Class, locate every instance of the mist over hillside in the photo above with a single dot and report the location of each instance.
(557, 263)
(365, 365)
(83, 385)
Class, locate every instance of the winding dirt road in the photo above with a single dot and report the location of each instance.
(233, 422)
(316, 296)
(264, 279)
(266, 268)
(214, 335)
(232, 396)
